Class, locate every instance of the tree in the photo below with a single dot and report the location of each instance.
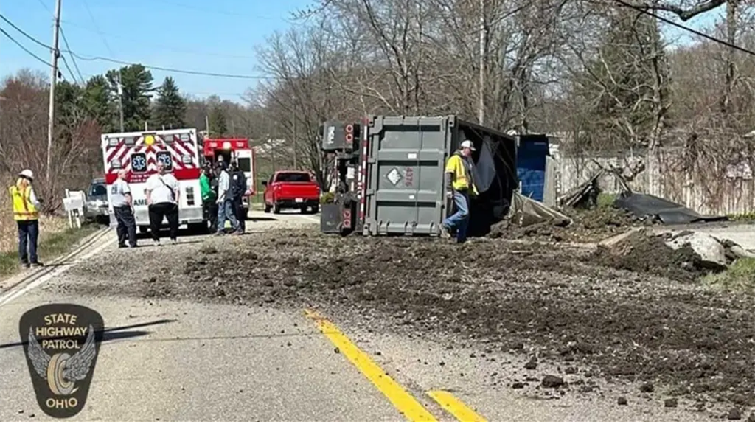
(137, 88)
(218, 125)
(23, 134)
(99, 103)
(623, 85)
(170, 107)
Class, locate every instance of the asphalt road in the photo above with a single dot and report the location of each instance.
(184, 361)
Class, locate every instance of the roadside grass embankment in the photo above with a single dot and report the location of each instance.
(55, 239)
(739, 276)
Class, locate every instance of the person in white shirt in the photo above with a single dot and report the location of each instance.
(122, 201)
(162, 201)
(225, 201)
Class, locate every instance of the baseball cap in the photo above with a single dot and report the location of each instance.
(27, 174)
(468, 144)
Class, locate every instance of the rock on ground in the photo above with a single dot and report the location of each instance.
(707, 247)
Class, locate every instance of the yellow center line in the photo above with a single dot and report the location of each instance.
(401, 399)
(456, 407)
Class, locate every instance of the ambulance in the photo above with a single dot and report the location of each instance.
(139, 152)
(233, 149)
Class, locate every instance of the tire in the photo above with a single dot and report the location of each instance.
(143, 229)
(315, 209)
(304, 210)
(276, 209)
(267, 208)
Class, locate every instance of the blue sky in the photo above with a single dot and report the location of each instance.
(210, 36)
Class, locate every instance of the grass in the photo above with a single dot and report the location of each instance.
(606, 200)
(739, 276)
(750, 216)
(51, 245)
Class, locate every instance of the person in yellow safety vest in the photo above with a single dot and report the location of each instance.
(460, 186)
(26, 214)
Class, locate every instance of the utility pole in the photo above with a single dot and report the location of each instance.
(481, 93)
(53, 82)
(207, 125)
(120, 97)
(294, 143)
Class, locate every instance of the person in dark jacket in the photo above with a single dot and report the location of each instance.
(238, 189)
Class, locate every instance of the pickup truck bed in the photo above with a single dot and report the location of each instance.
(292, 190)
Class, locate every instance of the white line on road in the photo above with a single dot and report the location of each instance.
(6, 298)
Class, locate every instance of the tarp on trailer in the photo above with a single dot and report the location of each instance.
(643, 205)
(525, 212)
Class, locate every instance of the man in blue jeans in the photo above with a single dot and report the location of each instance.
(225, 201)
(460, 185)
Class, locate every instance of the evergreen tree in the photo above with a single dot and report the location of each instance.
(619, 83)
(137, 88)
(218, 126)
(170, 107)
(68, 100)
(99, 103)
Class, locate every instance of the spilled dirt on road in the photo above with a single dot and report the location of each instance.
(572, 307)
(587, 225)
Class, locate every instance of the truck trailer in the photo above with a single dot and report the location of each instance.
(388, 175)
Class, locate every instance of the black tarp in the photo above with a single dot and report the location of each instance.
(642, 206)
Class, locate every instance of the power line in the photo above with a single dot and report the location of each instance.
(45, 6)
(73, 59)
(65, 40)
(65, 63)
(107, 59)
(24, 48)
(685, 28)
(24, 33)
(160, 46)
(94, 22)
(171, 70)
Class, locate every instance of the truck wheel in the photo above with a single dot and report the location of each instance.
(276, 209)
(267, 208)
(315, 209)
(142, 229)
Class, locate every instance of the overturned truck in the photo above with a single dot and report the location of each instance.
(387, 175)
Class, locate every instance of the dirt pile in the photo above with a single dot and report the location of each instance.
(645, 252)
(588, 226)
(630, 324)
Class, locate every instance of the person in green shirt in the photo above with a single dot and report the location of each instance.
(209, 196)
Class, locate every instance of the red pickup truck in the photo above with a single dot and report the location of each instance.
(291, 189)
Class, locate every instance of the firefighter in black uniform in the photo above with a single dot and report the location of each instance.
(238, 189)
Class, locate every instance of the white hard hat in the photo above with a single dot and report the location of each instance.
(27, 174)
(468, 144)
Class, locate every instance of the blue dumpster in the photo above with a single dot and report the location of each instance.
(531, 165)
